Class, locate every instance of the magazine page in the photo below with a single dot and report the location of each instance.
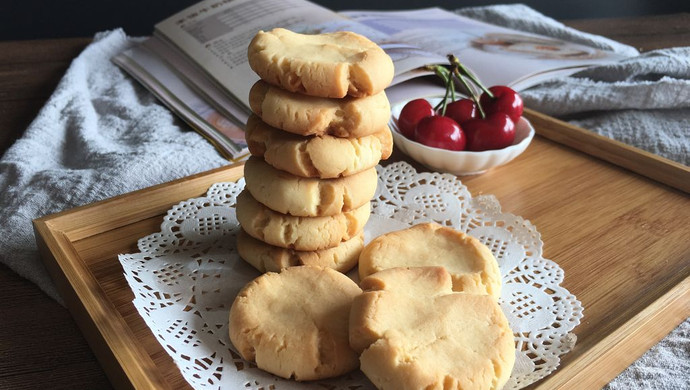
(420, 87)
(194, 77)
(160, 79)
(216, 33)
(497, 55)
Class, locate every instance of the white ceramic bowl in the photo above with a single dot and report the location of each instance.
(465, 162)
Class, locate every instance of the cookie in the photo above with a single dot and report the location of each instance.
(308, 115)
(269, 258)
(307, 197)
(299, 233)
(325, 156)
(294, 324)
(331, 65)
(414, 332)
(472, 265)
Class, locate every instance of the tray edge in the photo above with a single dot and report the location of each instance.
(125, 363)
(650, 325)
(644, 163)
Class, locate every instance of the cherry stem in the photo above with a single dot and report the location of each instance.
(458, 70)
(460, 77)
(447, 78)
(452, 88)
(462, 69)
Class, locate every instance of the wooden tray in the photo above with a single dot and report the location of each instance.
(621, 238)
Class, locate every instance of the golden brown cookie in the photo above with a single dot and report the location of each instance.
(294, 324)
(317, 156)
(416, 333)
(299, 233)
(308, 115)
(329, 65)
(307, 197)
(472, 265)
(269, 258)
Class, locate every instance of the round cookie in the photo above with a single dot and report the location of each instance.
(329, 65)
(294, 324)
(307, 197)
(324, 157)
(299, 233)
(414, 332)
(269, 258)
(308, 115)
(471, 264)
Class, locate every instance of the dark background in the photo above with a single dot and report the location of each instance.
(37, 19)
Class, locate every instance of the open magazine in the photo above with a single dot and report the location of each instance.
(196, 61)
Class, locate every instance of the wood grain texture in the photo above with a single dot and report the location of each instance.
(40, 342)
(619, 237)
(637, 160)
(129, 353)
(644, 33)
(29, 72)
(603, 361)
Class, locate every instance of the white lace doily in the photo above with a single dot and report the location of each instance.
(185, 278)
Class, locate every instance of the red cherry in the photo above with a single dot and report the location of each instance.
(411, 114)
(505, 100)
(497, 131)
(440, 132)
(462, 110)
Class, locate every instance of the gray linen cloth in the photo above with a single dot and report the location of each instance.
(101, 134)
(642, 101)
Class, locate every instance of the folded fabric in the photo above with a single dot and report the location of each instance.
(523, 18)
(643, 101)
(99, 135)
(665, 366)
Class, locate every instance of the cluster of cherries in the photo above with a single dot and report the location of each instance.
(478, 123)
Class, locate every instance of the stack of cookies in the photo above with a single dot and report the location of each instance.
(425, 314)
(319, 127)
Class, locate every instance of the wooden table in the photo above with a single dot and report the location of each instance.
(40, 345)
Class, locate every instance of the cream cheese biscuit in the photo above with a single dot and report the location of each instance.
(307, 197)
(331, 65)
(472, 265)
(324, 157)
(308, 115)
(299, 233)
(414, 332)
(294, 324)
(269, 258)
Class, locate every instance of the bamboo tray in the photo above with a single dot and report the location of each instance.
(621, 238)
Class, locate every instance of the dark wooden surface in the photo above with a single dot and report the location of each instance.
(40, 345)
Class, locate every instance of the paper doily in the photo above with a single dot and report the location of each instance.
(186, 276)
